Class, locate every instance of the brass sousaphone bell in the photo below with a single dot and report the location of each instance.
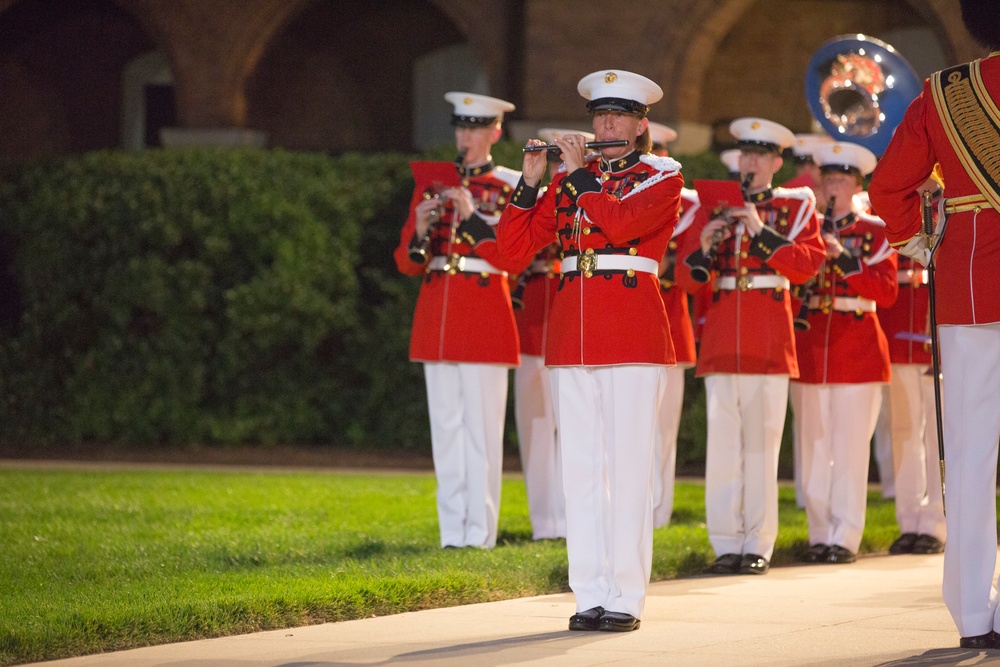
(858, 89)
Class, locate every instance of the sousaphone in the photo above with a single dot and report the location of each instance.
(858, 89)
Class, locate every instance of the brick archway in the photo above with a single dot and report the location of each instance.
(212, 61)
(708, 24)
(493, 30)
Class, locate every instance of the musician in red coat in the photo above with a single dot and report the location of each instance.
(911, 412)
(677, 303)
(806, 169)
(463, 326)
(537, 436)
(806, 175)
(953, 124)
(608, 343)
(843, 359)
(751, 254)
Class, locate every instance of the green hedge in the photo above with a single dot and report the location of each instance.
(218, 296)
(188, 296)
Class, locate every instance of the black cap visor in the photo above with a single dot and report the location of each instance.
(617, 104)
(472, 121)
(758, 147)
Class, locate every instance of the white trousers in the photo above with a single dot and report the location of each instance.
(746, 415)
(467, 405)
(970, 362)
(794, 399)
(884, 447)
(915, 452)
(607, 428)
(538, 441)
(835, 429)
(665, 452)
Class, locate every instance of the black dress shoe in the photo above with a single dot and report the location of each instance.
(903, 544)
(725, 564)
(586, 620)
(753, 564)
(817, 553)
(991, 640)
(927, 544)
(614, 621)
(839, 554)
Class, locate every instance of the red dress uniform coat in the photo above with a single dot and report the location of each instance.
(750, 331)
(967, 278)
(627, 208)
(675, 299)
(539, 290)
(464, 316)
(905, 321)
(849, 347)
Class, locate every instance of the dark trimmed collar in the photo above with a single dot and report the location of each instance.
(846, 221)
(620, 164)
(761, 197)
(477, 170)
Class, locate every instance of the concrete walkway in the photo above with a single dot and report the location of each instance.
(882, 610)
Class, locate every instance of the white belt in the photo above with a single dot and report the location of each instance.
(743, 283)
(610, 263)
(908, 276)
(463, 264)
(845, 304)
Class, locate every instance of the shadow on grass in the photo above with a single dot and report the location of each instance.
(693, 563)
(686, 516)
(370, 549)
(511, 537)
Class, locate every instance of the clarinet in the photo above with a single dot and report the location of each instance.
(801, 322)
(700, 273)
(420, 252)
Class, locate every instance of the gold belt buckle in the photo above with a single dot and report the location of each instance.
(454, 264)
(587, 264)
(743, 283)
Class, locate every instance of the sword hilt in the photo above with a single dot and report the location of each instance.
(927, 212)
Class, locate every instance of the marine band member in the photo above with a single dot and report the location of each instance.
(609, 340)
(463, 326)
(953, 123)
(843, 359)
(751, 255)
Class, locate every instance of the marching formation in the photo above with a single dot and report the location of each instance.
(599, 277)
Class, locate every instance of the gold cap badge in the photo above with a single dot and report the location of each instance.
(610, 77)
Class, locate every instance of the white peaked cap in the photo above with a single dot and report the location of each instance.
(618, 90)
(764, 133)
(807, 144)
(473, 109)
(846, 156)
(731, 158)
(661, 134)
(550, 135)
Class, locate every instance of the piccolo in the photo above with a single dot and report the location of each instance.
(589, 144)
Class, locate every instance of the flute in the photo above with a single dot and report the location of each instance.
(589, 144)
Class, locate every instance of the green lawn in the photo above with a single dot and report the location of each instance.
(96, 561)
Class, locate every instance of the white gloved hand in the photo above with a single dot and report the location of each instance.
(917, 249)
